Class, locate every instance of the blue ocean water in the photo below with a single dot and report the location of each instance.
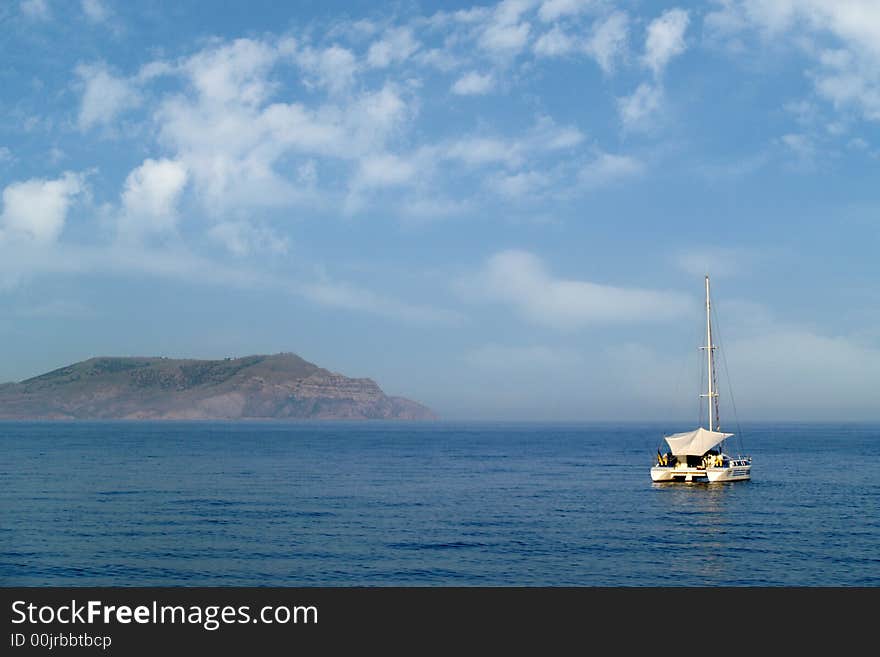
(436, 504)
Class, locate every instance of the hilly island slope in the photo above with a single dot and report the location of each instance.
(280, 386)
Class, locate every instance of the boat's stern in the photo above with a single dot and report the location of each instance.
(661, 473)
(734, 470)
(679, 472)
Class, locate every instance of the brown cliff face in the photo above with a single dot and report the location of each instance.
(254, 387)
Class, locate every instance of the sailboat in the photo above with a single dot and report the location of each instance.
(699, 455)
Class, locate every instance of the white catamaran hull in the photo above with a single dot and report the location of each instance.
(701, 475)
(733, 473)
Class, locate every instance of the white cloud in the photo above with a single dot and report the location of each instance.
(484, 150)
(473, 83)
(665, 39)
(506, 38)
(521, 184)
(332, 68)
(802, 147)
(231, 137)
(846, 80)
(554, 43)
(545, 136)
(175, 262)
(104, 97)
(373, 118)
(242, 238)
(551, 10)
(800, 144)
(608, 168)
(156, 69)
(605, 43)
(233, 72)
(36, 209)
(350, 297)
(505, 33)
(396, 45)
(95, 10)
(149, 198)
(230, 150)
(384, 170)
(229, 116)
(426, 207)
(37, 9)
(643, 104)
(5, 155)
(442, 59)
(608, 40)
(841, 39)
(520, 280)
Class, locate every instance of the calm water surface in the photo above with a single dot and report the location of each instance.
(381, 504)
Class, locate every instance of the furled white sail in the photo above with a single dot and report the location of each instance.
(695, 443)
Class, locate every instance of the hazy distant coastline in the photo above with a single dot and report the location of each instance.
(253, 387)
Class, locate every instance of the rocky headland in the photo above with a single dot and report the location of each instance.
(280, 386)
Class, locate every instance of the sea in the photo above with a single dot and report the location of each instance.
(339, 504)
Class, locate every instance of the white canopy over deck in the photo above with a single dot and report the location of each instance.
(695, 443)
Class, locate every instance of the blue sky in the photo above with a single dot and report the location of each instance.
(501, 210)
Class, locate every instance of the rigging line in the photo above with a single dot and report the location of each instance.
(716, 397)
(727, 376)
(703, 380)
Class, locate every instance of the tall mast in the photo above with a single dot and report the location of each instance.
(709, 364)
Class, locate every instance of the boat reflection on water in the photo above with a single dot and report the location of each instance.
(696, 526)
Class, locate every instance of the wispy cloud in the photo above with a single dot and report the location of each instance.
(638, 110)
(608, 168)
(244, 238)
(519, 279)
(35, 9)
(181, 265)
(95, 10)
(606, 40)
(473, 84)
(839, 38)
(396, 46)
(665, 39)
(104, 95)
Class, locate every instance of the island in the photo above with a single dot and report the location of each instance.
(278, 386)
